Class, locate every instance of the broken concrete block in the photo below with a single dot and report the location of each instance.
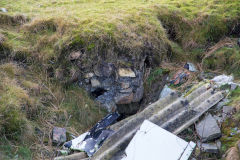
(208, 147)
(227, 112)
(59, 135)
(208, 129)
(126, 72)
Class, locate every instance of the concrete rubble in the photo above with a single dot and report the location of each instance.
(209, 147)
(208, 129)
(227, 112)
(172, 113)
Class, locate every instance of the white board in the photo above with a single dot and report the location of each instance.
(152, 142)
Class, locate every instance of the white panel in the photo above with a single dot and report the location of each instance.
(152, 142)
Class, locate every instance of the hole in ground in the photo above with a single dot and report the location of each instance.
(98, 92)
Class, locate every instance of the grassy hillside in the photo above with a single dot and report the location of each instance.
(38, 37)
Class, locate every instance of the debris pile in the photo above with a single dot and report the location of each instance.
(155, 126)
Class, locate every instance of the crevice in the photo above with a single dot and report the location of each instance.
(98, 92)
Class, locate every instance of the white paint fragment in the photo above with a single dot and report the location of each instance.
(151, 142)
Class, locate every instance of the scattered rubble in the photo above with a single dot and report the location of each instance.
(190, 66)
(227, 112)
(172, 113)
(165, 92)
(59, 135)
(209, 147)
(189, 108)
(90, 141)
(208, 129)
(180, 77)
(223, 80)
(222, 103)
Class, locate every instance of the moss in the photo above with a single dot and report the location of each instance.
(9, 152)
(83, 111)
(226, 59)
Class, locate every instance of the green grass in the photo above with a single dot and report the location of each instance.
(43, 33)
(29, 101)
(120, 23)
(226, 58)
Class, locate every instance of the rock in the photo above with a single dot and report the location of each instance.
(74, 55)
(165, 92)
(221, 104)
(227, 112)
(208, 129)
(59, 135)
(124, 85)
(206, 75)
(208, 147)
(219, 144)
(218, 119)
(104, 69)
(125, 98)
(89, 75)
(107, 69)
(234, 86)
(108, 83)
(232, 154)
(128, 90)
(95, 83)
(126, 72)
(223, 80)
(138, 94)
(4, 10)
(106, 100)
